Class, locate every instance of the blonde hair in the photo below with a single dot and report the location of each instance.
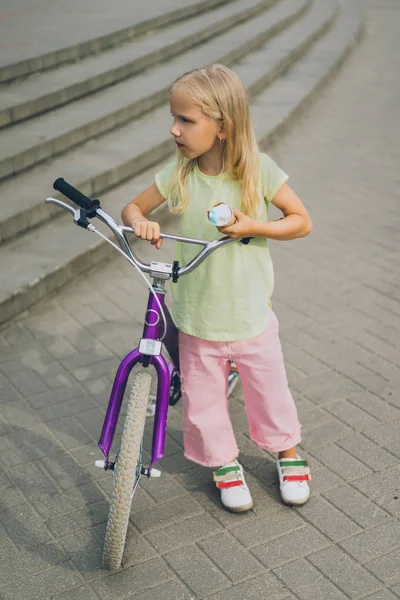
(220, 94)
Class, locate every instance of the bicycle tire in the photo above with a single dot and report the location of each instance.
(125, 472)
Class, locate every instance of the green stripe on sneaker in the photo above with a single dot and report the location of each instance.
(293, 463)
(227, 470)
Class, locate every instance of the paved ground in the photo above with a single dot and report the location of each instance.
(337, 297)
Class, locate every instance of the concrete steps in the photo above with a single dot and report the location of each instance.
(98, 29)
(282, 75)
(21, 100)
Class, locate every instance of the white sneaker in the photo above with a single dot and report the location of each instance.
(294, 474)
(235, 495)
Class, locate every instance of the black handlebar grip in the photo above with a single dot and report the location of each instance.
(72, 193)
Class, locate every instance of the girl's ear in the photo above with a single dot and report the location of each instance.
(221, 132)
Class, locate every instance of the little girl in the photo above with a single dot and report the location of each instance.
(222, 309)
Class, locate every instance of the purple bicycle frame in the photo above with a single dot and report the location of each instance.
(151, 330)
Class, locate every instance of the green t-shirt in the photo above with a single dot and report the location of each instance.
(227, 297)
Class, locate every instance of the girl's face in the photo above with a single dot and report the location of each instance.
(195, 133)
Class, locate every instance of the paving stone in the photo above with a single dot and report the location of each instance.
(28, 357)
(255, 588)
(328, 519)
(373, 484)
(342, 463)
(91, 421)
(28, 382)
(170, 591)
(324, 479)
(70, 434)
(58, 578)
(386, 568)
(382, 595)
(390, 502)
(300, 574)
(374, 542)
(267, 499)
(197, 571)
(310, 415)
(166, 514)
(394, 449)
(286, 548)
(32, 480)
(163, 489)
(352, 416)
(76, 500)
(230, 556)
(24, 528)
(65, 471)
(320, 589)
(51, 398)
(62, 525)
(257, 531)
(85, 455)
(329, 432)
(181, 534)
(85, 551)
(68, 408)
(60, 348)
(98, 354)
(77, 594)
(5, 481)
(25, 563)
(10, 498)
(385, 434)
(29, 452)
(344, 572)
(37, 433)
(325, 387)
(132, 580)
(396, 590)
(9, 395)
(7, 546)
(359, 508)
(196, 478)
(367, 452)
(91, 371)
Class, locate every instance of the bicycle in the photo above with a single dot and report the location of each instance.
(128, 466)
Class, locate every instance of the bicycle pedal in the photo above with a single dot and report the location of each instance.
(153, 472)
(101, 464)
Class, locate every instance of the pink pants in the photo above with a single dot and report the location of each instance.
(208, 434)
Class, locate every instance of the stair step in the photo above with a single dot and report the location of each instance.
(70, 42)
(103, 162)
(53, 133)
(40, 93)
(57, 241)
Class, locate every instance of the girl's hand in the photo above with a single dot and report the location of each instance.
(243, 226)
(148, 230)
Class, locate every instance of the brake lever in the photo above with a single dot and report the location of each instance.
(75, 212)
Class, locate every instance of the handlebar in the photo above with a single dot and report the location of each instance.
(75, 195)
(91, 208)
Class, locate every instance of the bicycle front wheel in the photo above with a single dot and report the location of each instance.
(126, 471)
